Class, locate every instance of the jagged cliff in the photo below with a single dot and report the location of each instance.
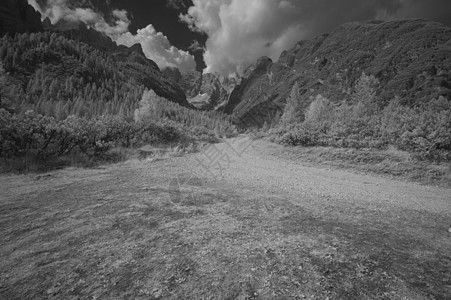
(410, 58)
(204, 91)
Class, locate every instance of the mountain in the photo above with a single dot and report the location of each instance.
(204, 91)
(18, 16)
(410, 58)
(73, 65)
(136, 64)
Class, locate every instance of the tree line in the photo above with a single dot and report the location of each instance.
(360, 122)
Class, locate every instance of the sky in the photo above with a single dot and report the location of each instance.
(226, 36)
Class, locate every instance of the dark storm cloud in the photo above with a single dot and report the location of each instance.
(240, 31)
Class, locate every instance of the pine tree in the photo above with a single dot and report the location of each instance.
(320, 110)
(2, 82)
(365, 94)
(293, 110)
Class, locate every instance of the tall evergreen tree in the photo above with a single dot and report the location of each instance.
(293, 109)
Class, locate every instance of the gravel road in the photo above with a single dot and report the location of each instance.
(238, 211)
(259, 168)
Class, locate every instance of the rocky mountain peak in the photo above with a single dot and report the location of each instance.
(205, 91)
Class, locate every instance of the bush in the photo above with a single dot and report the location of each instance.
(360, 123)
(203, 134)
(41, 136)
(29, 134)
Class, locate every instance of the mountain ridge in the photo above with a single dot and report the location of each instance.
(410, 58)
(205, 91)
(23, 18)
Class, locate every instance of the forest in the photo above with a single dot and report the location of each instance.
(62, 97)
(364, 122)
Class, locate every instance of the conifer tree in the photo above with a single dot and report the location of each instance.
(293, 109)
(2, 82)
(365, 94)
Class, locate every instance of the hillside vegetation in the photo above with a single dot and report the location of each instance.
(69, 95)
(30, 141)
(71, 90)
(359, 122)
(409, 58)
(57, 76)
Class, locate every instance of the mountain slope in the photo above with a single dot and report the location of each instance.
(135, 64)
(73, 66)
(410, 58)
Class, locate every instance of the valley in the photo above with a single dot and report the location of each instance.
(322, 173)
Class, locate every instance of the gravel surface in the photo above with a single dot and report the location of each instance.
(248, 223)
(258, 169)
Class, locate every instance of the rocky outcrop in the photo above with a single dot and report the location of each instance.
(205, 91)
(250, 81)
(18, 16)
(410, 58)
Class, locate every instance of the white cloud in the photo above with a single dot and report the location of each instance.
(241, 31)
(286, 5)
(57, 10)
(155, 45)
(121, 24)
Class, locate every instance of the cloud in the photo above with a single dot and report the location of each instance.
(156, 45)
(239, 32)
(57, 10)
(196, 46)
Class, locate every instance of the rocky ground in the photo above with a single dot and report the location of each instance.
(235, 221)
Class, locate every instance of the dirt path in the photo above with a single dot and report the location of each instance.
(260, 167)
(265, 227)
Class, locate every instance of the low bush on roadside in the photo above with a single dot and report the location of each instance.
(28, 140)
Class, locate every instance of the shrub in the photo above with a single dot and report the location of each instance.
(203, 134)
(360, 123)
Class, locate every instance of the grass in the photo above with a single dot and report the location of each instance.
(127, 231)
(387, 162)
(31, 164)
